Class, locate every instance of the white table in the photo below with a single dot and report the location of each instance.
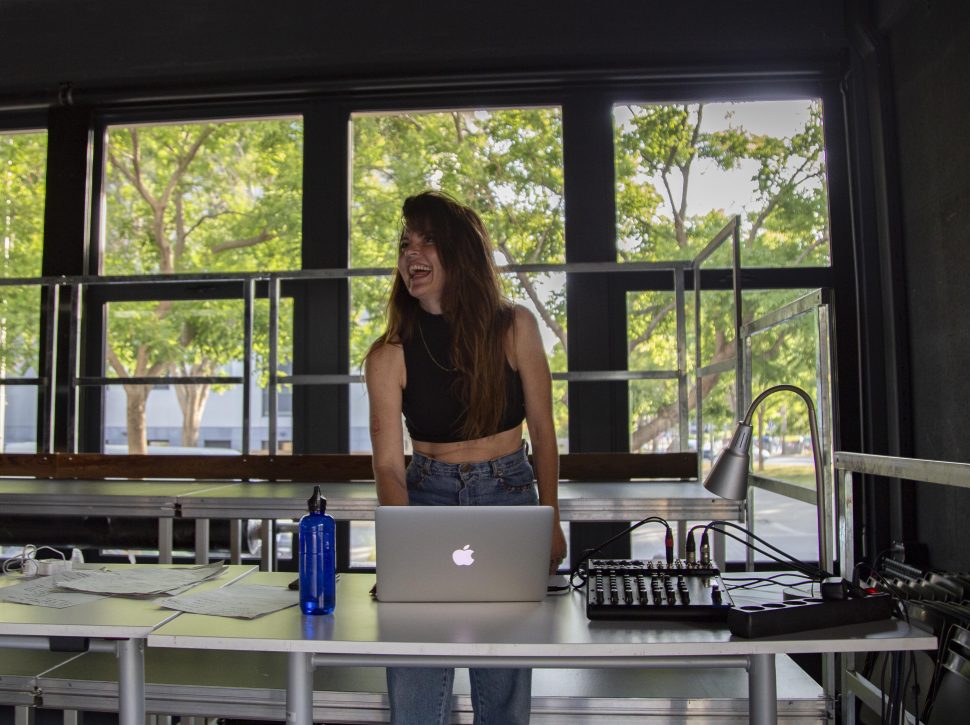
(113, 624)
(552, 633)
(139, 499)
(356, 501)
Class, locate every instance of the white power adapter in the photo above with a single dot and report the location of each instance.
(46, 567)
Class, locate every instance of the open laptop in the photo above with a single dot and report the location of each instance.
(463, 553)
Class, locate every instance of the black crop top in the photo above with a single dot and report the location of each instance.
(432, 409)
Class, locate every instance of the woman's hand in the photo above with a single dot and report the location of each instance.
(558, 553)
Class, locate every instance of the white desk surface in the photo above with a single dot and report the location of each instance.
(606, 501)
(38, 496)
(556, 627)
(110, 617)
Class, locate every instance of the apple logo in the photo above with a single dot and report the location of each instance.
(463, 556)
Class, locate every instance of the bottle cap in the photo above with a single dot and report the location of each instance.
(316, 504)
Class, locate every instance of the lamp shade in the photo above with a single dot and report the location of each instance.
(728, 477)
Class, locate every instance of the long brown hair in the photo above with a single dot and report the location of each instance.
(478, 314)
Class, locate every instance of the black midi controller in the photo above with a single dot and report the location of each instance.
(655, 590)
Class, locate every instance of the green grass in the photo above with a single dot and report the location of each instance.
(801, 475)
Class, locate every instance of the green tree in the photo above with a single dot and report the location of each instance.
(23, 163)
(659, 151)
(206, 197)
(508, 165)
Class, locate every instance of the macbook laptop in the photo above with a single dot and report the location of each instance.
(463, 553)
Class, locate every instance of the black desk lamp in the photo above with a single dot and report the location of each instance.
(728, 477)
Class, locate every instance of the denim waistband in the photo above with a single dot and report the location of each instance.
(493, 467)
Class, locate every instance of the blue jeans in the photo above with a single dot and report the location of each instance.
(422, 695)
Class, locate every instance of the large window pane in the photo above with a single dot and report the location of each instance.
(19, 331)
(168, 339)
(23, 164)
(210, 413)
(19, 420)
(23, 184)
(683, 170)
(203, 197)
(786, 353)
(506, 164)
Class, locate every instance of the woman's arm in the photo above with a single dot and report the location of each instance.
(384, 374)
(533, 367)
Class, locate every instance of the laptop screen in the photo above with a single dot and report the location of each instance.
(462, 553)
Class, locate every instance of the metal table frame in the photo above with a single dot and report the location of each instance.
(114, 625)
(419, 635)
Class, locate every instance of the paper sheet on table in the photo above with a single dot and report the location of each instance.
(246, 601)
(43, 592)
(149, 582)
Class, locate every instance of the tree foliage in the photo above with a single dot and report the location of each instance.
(23, 163)
(660, 152)
(183, 198)
(227, 197)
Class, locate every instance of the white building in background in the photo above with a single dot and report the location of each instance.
(221, 421)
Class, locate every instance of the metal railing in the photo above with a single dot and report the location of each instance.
(77, 287)
(944, 473)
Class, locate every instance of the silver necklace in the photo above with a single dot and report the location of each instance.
(428, 350)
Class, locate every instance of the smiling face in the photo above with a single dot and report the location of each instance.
(421, 269)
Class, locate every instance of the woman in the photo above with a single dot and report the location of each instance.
(465, 367)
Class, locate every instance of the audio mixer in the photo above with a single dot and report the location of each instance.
(645, 590)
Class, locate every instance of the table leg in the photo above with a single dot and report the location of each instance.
(165, 540)
(267, 533)
(131, 682)
(202, 541)
(762, 690)
(235, 540)
(299, 689)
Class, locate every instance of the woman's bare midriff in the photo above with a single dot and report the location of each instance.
(480, 449)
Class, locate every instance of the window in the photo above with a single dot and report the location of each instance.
(505, 163)
(203, 197)
(683, 170)
(23, 164)
(216, 197)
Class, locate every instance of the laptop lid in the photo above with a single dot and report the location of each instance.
(463, 553)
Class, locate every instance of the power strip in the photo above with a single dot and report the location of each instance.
(799, 615)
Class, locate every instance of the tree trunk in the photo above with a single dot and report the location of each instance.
(137, 401)
(192, 399)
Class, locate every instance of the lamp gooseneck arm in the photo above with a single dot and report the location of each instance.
(823, 547)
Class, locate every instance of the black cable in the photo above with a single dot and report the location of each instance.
(577, 568)
(805, 569)
(758, 578)
(895, 682)
(882, 690)
(800, 565)
(902, 691)
(800, 582)
(762, 581)
(934, 686)
(915, 671)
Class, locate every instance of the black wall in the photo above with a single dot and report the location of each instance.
(929, 46)
(138, 43)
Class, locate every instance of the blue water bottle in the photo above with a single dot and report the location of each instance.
(318, 558)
